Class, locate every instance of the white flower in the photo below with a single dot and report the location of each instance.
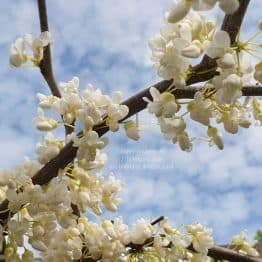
(16, 200)
(132, 131)
(239, 242)
(201, 238)
(230, 90)
(171, 127)
(44, 123)
(46, 101)
(163, 104)
(184, 141)
(227, 61)
(37, 44)
(174, 129)
(17, 54)
(258, 72)
(109, 190)
(70, 101)
(117, 230)
(141, 231)
(220, 44)
(49, 148)
(95, 96)
(229, 6)
(257, 109)
(115, 113)
(193, 50)
(87, 145)
(234, 118)
(169, 61)
(215, 136)
(83, 116)
(179, 11)
(200, 109)
(18, 229)
(97, 163)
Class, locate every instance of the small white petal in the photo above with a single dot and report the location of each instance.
(191, 51)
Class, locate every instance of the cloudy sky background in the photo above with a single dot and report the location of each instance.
(106, 43)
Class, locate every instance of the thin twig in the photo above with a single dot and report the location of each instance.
(46, 63)
(220, 253)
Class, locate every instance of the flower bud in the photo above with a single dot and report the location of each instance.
(192, 51)
(258, 72)
(132, 130)
(229, 6)
(213, 133)
(179, 11)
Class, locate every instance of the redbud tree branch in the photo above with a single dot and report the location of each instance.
(46, 63)
(231, 24)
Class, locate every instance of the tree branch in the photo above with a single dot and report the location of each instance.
(218, 252)
(46, 63)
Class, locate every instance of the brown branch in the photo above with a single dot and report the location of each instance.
(46, 63)
(218, 252)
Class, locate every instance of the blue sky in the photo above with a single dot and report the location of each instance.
(106, 43)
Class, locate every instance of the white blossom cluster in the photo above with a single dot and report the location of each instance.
(186, 36)
(44, 214)
(44, 217)
(182, 7)
(18, 54)
(240, 244)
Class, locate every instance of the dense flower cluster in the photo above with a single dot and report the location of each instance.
(239, 243)
(45, 218)
(18, 55)
(186, 36)
(182, 7)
